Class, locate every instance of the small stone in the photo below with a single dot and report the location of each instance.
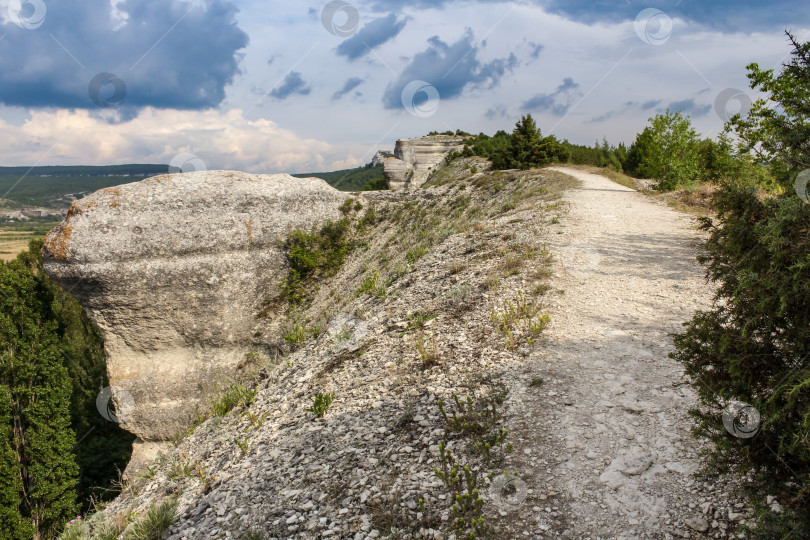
(697, 523)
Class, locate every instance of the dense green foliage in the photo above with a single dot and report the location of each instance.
(525, 148)
(780, 136)
(598, 155)
(55, 445)
(314, 254)
(754, 345)
(36, 406)
(668, 150)
(365, 178)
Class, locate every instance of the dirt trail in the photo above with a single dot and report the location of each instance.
(603, 444)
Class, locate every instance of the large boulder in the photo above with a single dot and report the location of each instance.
(415, 159)
(174, 270)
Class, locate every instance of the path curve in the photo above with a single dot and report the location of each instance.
(604, 442)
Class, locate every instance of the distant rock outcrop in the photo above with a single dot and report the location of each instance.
(174, 270)
(379, 158)
(415, 159)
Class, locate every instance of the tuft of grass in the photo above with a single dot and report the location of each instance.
(426, 347)
(298, 334)
(320, 404)
(417, 321)
(519, 321)
(373, 285)
(243, 444)
(157, 520)
(236, 396)
(536, 382)
(415, 253)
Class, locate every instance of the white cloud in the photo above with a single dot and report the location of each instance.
(223, 140)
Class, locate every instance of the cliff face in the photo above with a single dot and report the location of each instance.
(415, 159)
(174, 270)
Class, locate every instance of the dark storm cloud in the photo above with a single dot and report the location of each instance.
(731, 15)
(450, 69)
(557, 102)
(371, 36)
(293, 84)
(169, 54)
(348, 86)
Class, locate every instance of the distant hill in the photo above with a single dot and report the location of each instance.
(367, 177)
(57, 187)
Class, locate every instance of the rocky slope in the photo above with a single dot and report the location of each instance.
(546, 317)
(173, 269)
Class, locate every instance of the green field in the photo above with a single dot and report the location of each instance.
(14, 237)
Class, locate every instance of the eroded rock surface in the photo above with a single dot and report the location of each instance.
(415, 159)
(174, 270)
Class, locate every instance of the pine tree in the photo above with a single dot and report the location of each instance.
(12, 523)
(525, 140)
(38, 390)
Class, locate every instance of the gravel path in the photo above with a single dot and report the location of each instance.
(603, 443)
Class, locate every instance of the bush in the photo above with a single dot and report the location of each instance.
(668, 150)
(314, 254)
(754, 345)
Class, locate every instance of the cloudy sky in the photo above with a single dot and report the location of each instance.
(267, 86)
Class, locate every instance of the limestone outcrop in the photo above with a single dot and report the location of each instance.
(415, 159)
(379, 158)
(174, 270)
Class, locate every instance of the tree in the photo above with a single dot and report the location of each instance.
(36, 390)
(528, 148)
(13, 524)
(777, 129)
(105, 448)
(668, 150)
(753, 346)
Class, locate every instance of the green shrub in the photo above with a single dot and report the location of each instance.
(298, 334)
(668, 150)
(753, 346)
(314, 255)
(373, 285)
(320, 404)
